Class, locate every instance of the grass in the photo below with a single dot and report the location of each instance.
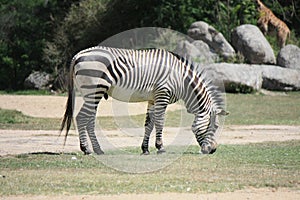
(245, 109)
(26, 92)
(249, 109)
(12, 119)
(232, 167)
(173, 119)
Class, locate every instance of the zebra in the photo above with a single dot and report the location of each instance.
(154, 75)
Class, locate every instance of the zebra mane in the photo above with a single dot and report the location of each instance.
(201, 72)
(216, 93)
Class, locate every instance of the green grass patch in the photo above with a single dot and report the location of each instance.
(12, 119)
(178, 118)
(26, 92)
(232, 167)
(249, 109)
(245, 109)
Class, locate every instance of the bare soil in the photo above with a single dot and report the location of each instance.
(54, 106)
(250, 193)
(26, 141)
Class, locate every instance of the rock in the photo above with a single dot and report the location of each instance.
(252, 44)
(198, 51)
(202, 31)
(246, 78)
(280, 79)
(289, 57)
(38, 80)
(235, 77)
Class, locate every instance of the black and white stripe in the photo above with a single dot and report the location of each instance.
(153, 75)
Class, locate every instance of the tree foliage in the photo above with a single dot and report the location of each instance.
(45, 34)
(25, 27)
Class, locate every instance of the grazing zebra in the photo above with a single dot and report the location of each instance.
(154, 75)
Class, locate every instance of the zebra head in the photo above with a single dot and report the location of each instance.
(204, 98)
(205, 128)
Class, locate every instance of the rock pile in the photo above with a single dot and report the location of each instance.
(207, 46)
(247, 78)
(262, 71)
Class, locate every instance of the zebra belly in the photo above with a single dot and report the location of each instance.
(129, 95)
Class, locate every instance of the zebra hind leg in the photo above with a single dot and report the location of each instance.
(91, 132)
(81, 122)
(86, 123)
(149, 124)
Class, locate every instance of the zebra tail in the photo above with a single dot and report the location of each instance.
(68, 116)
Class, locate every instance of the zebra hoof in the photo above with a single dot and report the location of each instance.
(161, 151)
(85, 150)
(145, 153)
(99, 152)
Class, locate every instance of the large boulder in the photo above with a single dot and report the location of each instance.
(246, 78)
(38, 80)
(202, 31)
(235, 77)
(278, 78)
(198, 51)
(289, 57)
(252, 44)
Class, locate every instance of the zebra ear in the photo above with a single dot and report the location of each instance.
(222, 112)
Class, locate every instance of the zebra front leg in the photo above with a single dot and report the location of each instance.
(159, 116)
(148, 128)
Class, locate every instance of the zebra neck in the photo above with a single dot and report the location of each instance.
(194, 92)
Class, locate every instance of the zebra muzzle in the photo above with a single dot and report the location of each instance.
(206, 148)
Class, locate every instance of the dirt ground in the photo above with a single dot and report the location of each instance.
(249, 194)
(29, 141)
(53, 106)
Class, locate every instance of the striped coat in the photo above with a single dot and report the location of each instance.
(155, 75)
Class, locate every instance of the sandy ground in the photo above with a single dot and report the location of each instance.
(54, 106)
(249, 194)
(25, 141)
(28, 141)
